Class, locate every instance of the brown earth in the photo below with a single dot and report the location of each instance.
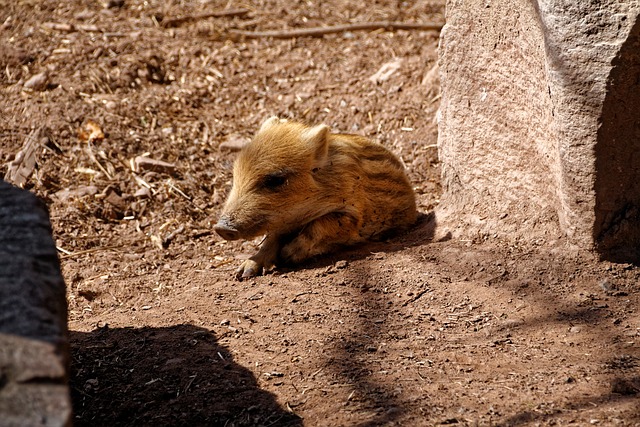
(407, 332)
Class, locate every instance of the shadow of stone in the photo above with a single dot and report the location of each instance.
(172, 376)
(617, 185)
(534, 285)
(537, 417)
(350, 358)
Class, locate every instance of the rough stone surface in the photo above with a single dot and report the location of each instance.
(33, 331)
(538, 124)
(33, 388)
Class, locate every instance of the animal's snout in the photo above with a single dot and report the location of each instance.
(226, 230)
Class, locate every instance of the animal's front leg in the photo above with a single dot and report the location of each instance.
(321, 236)
(264, 258)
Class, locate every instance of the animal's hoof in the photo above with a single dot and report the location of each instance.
(247, 269)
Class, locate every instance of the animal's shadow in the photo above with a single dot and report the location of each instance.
(172, 376)
(422, 232)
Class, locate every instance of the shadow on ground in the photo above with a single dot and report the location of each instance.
(420, 234)
(173, 376)
(352, 360)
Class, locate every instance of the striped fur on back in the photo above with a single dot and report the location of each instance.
(311, 191)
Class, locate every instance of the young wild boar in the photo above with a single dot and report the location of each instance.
(311, 191)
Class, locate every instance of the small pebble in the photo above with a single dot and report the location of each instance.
(38, 82)
(605, 285)
(341, 264)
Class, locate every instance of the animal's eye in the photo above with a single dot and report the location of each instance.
(274, 181)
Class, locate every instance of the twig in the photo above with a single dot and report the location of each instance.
(21, 168)
(253, 297)
(186, 389)
(416, 297)
(180, 192)
(68, 254)
(220, 13)
(177, 190)
(173, 234)
(64, 251)
(96, 161)
(320, 31)
(295, 299)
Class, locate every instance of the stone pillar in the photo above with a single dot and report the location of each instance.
(539, 121)
(33, 317)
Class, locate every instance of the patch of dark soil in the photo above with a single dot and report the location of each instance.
(174, 376)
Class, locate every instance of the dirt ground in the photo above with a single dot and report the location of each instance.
(409, 332)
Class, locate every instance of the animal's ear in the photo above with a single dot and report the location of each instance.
(273, 120)
(316, 137)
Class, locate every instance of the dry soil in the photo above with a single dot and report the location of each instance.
(414, 331)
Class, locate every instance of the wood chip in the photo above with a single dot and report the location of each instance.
(78, 192)
(386, 71)
(142, 192)
(116, 200)
(21, 168)
(234, 142)
(144, 164)
(90, 131)
(174, 22)
(59, 26)
(38, 82)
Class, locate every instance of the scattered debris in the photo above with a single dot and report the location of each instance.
(142, 192)
(234, 142)
(173, 234)
(174, 22)
(90, 131)
(68, 254)
(342, 264)
(22, 166)
(76, 193)
(115, 200)
(321, 31)
(431, 80)
(274, 374)
(416, 297)
(144, 164)
(625, 387)
(38, 82)
(59, 26)
(386, 71)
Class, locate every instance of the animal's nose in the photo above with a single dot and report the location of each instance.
(226, 230)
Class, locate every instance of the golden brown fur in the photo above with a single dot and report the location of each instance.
(311, 191)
